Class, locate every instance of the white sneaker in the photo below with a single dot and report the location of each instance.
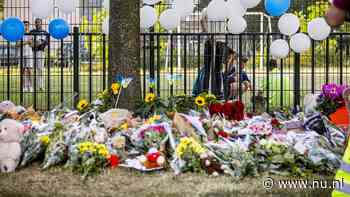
(25, 89)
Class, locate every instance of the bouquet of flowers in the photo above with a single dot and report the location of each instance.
(237, 161)
(181, 103)
(189, 151)
(33, 147)
(150, 105)
(278, 158)
(331, 98)
(229, 110)
(204, 100)
(152, 136)
(88, 158)
(55, 154)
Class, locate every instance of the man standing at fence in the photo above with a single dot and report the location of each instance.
(39, 44)
(213, 53)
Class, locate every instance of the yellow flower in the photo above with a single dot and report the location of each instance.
(45, 140)
(124, 126)
(188, 144)
(150, 97)
(200, 101)
(83, 104)
(153, 119)
(115, 88)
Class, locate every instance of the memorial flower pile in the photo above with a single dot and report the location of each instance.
(184, 134)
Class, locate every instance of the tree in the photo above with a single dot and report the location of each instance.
(124, 48)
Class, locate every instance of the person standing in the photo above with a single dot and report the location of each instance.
(27, 59)
(214, 50)
(40, 42)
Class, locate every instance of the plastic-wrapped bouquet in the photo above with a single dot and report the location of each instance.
(88, 158)
(56, 154)
(331, 98)
(33, 147)
(189, 151)
(152, 136)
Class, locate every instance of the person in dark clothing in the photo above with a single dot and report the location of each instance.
(338, 13)
(231, 76)
(40, 42)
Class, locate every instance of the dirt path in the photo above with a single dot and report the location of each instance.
(122, 182)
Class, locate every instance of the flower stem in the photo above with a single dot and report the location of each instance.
(116, 102)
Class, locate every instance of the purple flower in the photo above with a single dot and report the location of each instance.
(333, 91)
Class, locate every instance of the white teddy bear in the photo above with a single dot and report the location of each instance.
(10, 148)
(7, 106)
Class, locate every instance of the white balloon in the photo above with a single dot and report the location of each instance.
(237, 24)
(151, 2)
(300, 42)
(234, 8)
(318, 29)
(105, 26)
(41, 8)
(288, 24)
(279, 48)
(184, 7)
(67, 6)
(250, 3)
(217, 10)
(148, 16)
(170, 19)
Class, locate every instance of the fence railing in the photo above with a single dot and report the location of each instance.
(174, 60)
(41, 75)
(170, 63)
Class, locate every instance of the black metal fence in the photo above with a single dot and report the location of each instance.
(65, 70)
(174, 60)
(77, 66)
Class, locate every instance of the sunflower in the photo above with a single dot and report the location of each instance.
(200, 101)
(45, 140)
(150, 97)
(115, 88)
(83, 104)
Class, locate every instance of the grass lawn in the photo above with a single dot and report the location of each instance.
(31, 182)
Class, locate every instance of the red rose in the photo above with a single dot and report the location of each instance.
(152, 157)
(238, 107)
(275, 122)
(113, 161)
(223, 134)
(227, 110)
(215, 108)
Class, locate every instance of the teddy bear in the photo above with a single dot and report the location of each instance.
(10, 148)
(7, 107)
(114, 118)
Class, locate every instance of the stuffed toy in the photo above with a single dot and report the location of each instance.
(7, 107)
(310, 103)
(114, 118)
(10, 148)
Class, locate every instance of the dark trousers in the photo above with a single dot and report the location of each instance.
(213, 71)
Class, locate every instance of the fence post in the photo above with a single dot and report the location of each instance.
(76, 42)
(296, 81)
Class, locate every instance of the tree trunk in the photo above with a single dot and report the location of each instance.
(124, 48)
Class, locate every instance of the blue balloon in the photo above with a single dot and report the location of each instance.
(12, 29)
(276, 7)
(59, 28)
